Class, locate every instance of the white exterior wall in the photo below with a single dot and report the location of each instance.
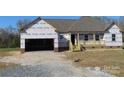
(43, 30)
(64, 42)
(40, 30)
(108, 37)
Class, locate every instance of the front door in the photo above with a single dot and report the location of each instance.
(73, 39)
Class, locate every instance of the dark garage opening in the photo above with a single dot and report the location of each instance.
(39, 44)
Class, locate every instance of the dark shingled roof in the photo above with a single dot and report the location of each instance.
(61, 25)
(87, 24)
(121, 27)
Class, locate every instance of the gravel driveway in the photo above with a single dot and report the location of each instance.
(44, 64)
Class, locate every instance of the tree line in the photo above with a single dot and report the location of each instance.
(10, 38)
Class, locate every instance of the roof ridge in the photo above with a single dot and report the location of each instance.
(60, 19)
(32, 22)
(110, 25)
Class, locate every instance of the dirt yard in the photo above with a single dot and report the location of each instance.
(43, 64)
(109, 60)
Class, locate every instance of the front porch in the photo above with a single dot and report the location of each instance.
(87, 40)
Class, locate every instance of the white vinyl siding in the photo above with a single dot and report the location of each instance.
(108, 37)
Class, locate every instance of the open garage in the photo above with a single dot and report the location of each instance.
(39, 44)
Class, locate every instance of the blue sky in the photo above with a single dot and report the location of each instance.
(6, 21)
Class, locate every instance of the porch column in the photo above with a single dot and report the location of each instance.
(94, 38)
(78, 41)
(78, 38)
(70, 43)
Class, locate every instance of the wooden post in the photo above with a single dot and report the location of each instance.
(70, 43)
(78, 41)
(94, 38)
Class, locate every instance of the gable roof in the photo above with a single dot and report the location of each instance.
(61, 25)
(110, 26)
(84, 24)
(30, 24)
(117, 24)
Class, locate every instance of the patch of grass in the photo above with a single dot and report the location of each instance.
(7, 51)
(110, 60)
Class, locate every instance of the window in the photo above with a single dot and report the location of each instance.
(61, 37)
(97, 37)
(81, 37)
(113, 37)
(90, 36)
(101, 36)
(86, 37)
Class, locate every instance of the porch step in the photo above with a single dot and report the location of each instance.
(76, 48)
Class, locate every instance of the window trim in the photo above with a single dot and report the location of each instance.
(113, 37)
(61, 37)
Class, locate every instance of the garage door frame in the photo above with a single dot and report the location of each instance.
(40, 41)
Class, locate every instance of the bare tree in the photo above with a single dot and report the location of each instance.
(121, 21)
(9, 37)
(21, 23)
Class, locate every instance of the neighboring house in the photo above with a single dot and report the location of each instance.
(65, 34)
